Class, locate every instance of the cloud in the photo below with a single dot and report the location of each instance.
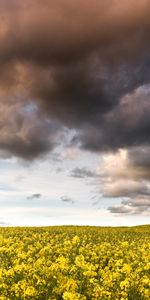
(19, 178)
(126, 125)
(23, 133)
(93, 25)
(34, 196)
(67, 199)
(126, 176)
(139, 157)
(133, 206)
(119, 209)
(126, 188)
(83, 173)
(81, 65)
(3, 223)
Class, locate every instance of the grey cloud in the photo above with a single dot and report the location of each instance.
(3, 223)
(120, 209)
(126, 189)
(138, 202)
(34, 196)
(132, 207)
(59, 170)
(67, 199)
(20, 178)
(83, 173)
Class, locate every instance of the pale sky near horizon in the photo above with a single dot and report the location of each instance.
(74, 112)
(47, 193)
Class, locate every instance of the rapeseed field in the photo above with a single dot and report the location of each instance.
(72, 263)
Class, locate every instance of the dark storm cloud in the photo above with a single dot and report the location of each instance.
(83, 64)
(54, 32)
(127, 125)
(24, 133)
(140, 157)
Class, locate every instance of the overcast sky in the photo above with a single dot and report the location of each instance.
(74, 112)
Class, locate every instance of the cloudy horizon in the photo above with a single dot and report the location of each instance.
(74, 112)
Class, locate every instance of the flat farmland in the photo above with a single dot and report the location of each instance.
(73, 262)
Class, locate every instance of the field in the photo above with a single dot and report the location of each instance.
(73, 263)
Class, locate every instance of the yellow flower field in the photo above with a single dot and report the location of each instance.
(74, 263)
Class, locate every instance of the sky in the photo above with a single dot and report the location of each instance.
(74, 112)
